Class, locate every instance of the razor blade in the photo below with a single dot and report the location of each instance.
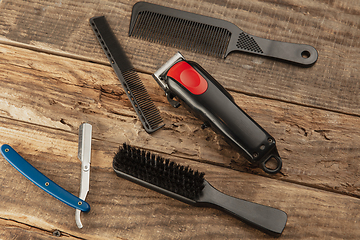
(84, 154)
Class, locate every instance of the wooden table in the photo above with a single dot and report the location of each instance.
(54, 76)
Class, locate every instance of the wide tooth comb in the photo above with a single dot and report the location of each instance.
(185, 34)
(210, 36)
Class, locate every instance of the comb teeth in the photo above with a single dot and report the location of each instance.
(142, 100)
(145, 109)
(181, 33)
(159, 171)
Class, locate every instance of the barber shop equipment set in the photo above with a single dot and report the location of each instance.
(184, 83)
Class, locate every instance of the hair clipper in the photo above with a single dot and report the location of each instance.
(208, 100)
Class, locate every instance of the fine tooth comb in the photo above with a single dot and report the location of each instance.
(146, 110)
(189, 186)
(207, 35)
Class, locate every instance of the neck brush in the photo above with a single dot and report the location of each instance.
(211, 36)
(189, 186)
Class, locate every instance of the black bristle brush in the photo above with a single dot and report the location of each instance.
(189, 186)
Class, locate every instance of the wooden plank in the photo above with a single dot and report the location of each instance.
(330, 26)
(123, 210)
(319, 148)
(10, 229)
(313, 113)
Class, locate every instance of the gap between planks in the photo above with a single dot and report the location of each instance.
(5, 41)
(21, 225)
(167, 155)
(164, 153)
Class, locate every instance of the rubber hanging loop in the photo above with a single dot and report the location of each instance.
(278, 163)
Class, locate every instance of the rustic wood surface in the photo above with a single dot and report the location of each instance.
(54, 76)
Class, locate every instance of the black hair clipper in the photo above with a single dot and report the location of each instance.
(209, 101)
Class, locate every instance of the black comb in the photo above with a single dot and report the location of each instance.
(211, 36)
(189, 186)
(146, 110)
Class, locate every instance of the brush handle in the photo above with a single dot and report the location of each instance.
(302, 54)
(41, 180)
(266, 219)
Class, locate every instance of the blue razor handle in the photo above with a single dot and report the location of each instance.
(41, 180)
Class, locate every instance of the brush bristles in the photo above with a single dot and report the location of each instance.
(181, 33)
(159, 171)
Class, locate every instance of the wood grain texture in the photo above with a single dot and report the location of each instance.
(12, 229)
(319, 148)
(54, 76)
(332, 27)
(123, 210)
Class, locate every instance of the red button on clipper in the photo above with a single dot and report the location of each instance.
(187, 76)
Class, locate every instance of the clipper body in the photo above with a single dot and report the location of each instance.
(209, 100)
